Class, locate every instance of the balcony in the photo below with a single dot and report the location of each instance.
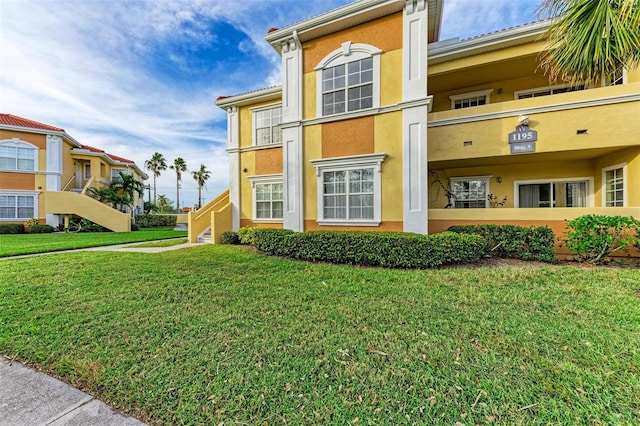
(582, 124)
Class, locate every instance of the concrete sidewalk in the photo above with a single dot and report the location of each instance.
(28, 397)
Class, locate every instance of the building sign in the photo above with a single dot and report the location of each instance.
(523, 140)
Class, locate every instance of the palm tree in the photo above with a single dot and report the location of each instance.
(128, 185)
(589, 40)
(180, 166)
(156, 164)
(163, 202)
(201, 176)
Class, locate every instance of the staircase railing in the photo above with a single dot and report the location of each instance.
(201, 219)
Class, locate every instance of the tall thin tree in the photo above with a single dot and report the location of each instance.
(201, 176)
(590, 40)
(180, 166)
(157, 164)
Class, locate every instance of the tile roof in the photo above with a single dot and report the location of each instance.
(101, 151)
(13, 120)
(506, 29)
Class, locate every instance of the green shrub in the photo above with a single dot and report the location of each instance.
(386, 249)
(246, 234)
(512, 241)
(41, 229)
(135, 227)
(271, 241)
(11, 228)
(594, 237)
(230, 237)
(153, 220)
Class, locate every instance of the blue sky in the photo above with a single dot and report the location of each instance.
(135, 77)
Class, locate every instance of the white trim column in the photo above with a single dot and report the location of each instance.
(414, 117)
(54, 163)
(292, 149)
(233, 145)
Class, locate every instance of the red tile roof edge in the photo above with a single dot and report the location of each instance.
(14, 120)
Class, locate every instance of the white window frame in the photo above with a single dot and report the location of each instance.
(487, 179)
(589, 190)
(254, 125)
(486, 93)
(365, 161)
(622, 166)
(265, 180)
(33, 194)
(518, 93)
(349, 52)
(18, 143)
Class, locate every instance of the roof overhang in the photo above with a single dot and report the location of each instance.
(262, 95)
(452, 49)
(63, 135)
(349, 16)
(110, 160)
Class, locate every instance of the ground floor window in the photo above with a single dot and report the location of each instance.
(17, 207)
(268, 198)
(349, 190)
(348, 194)
(269, 201)
(613, 178)
(553, 194)
(470, 192)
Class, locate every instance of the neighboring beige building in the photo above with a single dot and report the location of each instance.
(45, 173)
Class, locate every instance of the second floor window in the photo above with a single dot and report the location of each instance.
(17, 157)
(267, 126)
(347, 87)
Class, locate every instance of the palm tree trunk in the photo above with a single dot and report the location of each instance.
(155, 199)
(177, 196)
(199, 197)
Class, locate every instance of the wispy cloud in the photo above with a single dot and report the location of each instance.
(136, 77)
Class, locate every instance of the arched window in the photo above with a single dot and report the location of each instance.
(348, 80)
(18, 155)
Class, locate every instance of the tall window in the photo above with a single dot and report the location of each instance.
(348, 79)
(269, 201)
(469, 193)
(553, 194)
(349, 190)
(17, 206)
(347, 87)
(19, 156)
(614, 186)
(267, 125)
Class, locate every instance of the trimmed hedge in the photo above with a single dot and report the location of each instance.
(386, 249)
(11, 228)
(230, 237)
(152, 220)
(246, 234)
(512, 241)
(40, 229)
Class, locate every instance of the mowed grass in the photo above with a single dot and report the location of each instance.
(163, 243)
(218, 334)
(14, 245)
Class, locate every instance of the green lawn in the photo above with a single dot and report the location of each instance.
(215, 334)
(13, 245)
(164, 243)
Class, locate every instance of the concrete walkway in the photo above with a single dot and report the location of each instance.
(28, 397)
(128, 247)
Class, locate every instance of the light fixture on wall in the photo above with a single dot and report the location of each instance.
(499, 179)
(245, 170)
